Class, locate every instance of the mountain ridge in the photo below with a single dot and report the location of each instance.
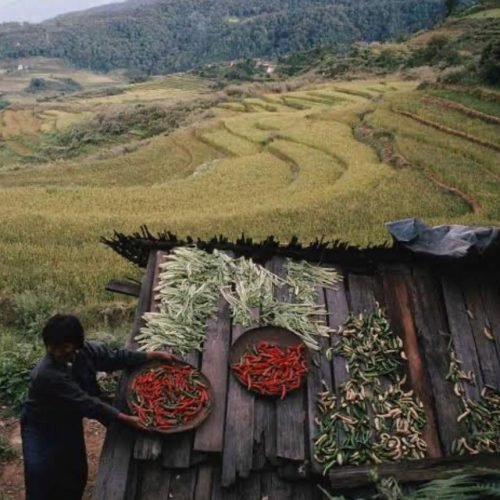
(174, 35)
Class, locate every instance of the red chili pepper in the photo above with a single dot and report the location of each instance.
(267, 369)
(169, 395)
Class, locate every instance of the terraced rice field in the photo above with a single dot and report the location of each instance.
(305, 163)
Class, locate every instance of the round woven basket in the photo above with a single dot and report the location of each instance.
(274, 335)
(197, 420)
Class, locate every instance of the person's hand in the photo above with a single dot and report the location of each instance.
(160, 356)
(130, 420)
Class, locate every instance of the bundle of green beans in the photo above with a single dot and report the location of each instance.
(303, 279)
(189, 286)
(249, 284)
(481, 418)
(370, 346)
(373, 419)
(191, 282)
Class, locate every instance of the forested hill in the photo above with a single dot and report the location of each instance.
(171, 35)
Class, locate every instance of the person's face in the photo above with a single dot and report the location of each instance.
(64, 352)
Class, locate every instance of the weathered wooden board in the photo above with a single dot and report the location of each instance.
(320, 373)
(248, 488)
(415, 471)
(154, 481)
(364, 291)
(264, 428)
(112, 476)
(433, 340)
(148, 446)
(290, 414)
(490, 295)
(461, 333)
(134, 476)
(144, 302)
(397, 300)
(204, 482)
(210, 436)
(486, 350)
(116, 455)
(182, 485)
(176, 450)
(307, 491)
(275, 488)
(237, 456)
(125, 287)
(338, 312)
(217, 489)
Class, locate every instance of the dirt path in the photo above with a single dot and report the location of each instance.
(11, 472)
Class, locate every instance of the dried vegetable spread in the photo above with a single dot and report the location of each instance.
(481, 417)
(168, 396)
(270, 370)
(373, 418)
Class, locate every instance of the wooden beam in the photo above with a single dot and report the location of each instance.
(430, 320)
(397, 295)
(238, 431)
(125, 287)
(414, 471)
(321, 370)
(210, 436)
(290, 413)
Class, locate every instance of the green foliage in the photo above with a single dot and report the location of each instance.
(452, 6)
(248, 70)
(461, 486)
(181, 34)
(439, 51)
(136, 76)
(6, 450)
(16, 364)
(3, 103)
(489, 64)
(32, 308)
(113, 125)
(38, 85)
(464, 486)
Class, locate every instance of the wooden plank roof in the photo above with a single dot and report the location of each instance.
(252, 448)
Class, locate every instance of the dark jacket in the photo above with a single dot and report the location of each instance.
(62, 391)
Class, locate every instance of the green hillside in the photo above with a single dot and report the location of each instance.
(179, 34)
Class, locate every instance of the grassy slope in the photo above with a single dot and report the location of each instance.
(283, 164)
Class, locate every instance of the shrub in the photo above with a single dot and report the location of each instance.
(32, 308)
(136, 76)
(6, 450)
(15, 367)
(439, 51)
(489, 64)
(455, 74)
(37, 85)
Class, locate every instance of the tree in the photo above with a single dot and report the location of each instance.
(451, 5)
(489, 64)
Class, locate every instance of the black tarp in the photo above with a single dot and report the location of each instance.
(443, 241)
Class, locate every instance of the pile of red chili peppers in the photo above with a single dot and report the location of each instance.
(168, 396)
(269, 370)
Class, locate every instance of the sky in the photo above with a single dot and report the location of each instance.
(39, 10)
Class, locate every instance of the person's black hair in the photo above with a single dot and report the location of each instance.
(63, 329)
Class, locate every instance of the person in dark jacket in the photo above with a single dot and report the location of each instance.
(63, 390)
